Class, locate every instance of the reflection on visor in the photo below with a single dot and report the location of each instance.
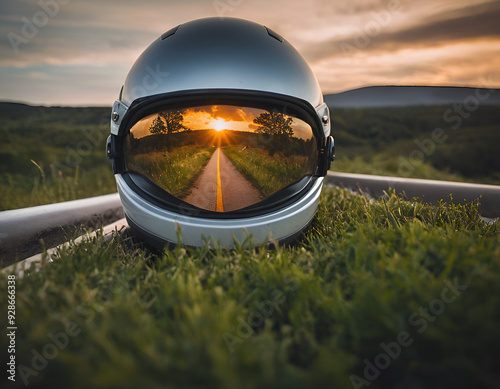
(220, 157)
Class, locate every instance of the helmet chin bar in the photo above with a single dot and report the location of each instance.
(162, 226)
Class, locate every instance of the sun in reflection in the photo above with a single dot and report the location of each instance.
(219, 124)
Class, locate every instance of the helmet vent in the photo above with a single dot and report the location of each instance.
(170, 32)
(275, 35)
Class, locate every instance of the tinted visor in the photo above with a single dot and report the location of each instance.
(222, 158)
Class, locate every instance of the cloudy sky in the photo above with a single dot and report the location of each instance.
(78, 52)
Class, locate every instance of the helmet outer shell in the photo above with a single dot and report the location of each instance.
(221, 53)
(218, 54)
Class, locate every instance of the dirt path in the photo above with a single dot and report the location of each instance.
(221, 187)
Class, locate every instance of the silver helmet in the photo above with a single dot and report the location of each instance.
(220, 132)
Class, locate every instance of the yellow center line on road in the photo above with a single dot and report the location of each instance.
(220, 205)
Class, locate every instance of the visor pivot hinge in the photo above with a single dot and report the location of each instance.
(110, 152)
(331, 148)
(109, 148)
(115, 116)
(325, 119)
(328, 155)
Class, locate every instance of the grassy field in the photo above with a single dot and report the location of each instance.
(52, 154)
(18, 191)
(379, 294)
(175, 171)
(419, 142)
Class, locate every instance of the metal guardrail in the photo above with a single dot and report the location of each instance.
(21, 230)
(430, 191)
(34, 263)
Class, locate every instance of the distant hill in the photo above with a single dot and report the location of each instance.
(29, 116)
(400, 96)
(367, 97)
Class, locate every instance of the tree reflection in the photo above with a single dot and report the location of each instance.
(278, 127)
(167, 122)
(274, 123)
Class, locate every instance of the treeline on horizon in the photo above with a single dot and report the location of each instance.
(211, 138)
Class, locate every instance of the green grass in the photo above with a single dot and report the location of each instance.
(398, 141)
(354, 281)
(19, 191)
(174, 171)
(385, 165)
(52, 154)
(268, 174)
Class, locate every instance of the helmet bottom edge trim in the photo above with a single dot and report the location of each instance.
(158, 243)
(277, 225)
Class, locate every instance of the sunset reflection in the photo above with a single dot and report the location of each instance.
(221, 158)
